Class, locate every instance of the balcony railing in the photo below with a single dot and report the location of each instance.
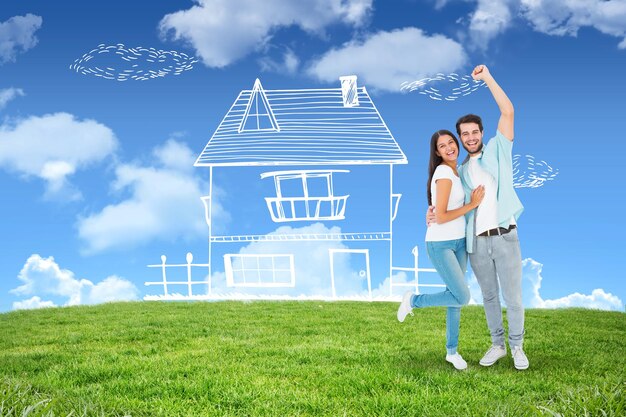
(288, 209)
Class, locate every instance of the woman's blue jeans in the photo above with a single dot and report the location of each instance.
(449, 258)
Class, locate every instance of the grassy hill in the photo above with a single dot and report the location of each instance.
(300, 358)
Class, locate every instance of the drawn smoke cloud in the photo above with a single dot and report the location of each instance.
(527, 173)
(443, 87)
(117, 62)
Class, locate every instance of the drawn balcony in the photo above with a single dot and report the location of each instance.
(288, 209)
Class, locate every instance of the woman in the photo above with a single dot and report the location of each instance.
(445, 240)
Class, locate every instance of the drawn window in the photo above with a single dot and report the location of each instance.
(258, 115)
(305, 196)
(252, 270)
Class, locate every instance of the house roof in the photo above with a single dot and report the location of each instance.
(301, 127)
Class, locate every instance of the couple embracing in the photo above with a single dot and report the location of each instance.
(475, 212)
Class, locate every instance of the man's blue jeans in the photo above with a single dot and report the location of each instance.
(449, 258)
(497, 263)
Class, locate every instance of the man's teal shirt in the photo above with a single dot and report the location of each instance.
(497, 160)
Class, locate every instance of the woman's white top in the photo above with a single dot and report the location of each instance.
(454, 229)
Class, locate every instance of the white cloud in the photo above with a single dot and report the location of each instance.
(9, 94)
(164, 204)
(491, 18)
(598, 299)
(223, 31)
(566, 17)
(289, 64)
(553, 17)
(175, 155)
(387, 59)
(32, 303)
(439, 4)
(531, 282)
(112, 288)
(43, 276)
(531, 297)
(53, 147)
(18, 35)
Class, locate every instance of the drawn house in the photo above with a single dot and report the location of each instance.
(310, 173)
(306, 147)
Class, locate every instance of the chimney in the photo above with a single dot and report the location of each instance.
(349, 91)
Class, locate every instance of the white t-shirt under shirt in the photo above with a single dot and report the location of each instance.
(487, 211)
(454, 229)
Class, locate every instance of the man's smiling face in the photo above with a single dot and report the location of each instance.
(471, 137)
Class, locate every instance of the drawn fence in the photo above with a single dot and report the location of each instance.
(165, 283)
(416, 270)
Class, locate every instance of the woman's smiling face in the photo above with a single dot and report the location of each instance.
(447, 148)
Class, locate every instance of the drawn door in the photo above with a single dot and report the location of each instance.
(350, 273)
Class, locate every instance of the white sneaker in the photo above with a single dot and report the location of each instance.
(493, 354)
(457, 360)
(520, 361)
(405, 306)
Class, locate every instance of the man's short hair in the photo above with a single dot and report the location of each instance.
(469, 118)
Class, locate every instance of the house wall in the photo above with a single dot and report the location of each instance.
(367, 211)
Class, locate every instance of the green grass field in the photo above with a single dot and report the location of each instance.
(301, 358)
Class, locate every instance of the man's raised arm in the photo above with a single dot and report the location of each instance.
(505, 124)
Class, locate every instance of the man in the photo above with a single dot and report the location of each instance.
(491, 234)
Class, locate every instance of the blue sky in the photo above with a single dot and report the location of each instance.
(97, 178)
